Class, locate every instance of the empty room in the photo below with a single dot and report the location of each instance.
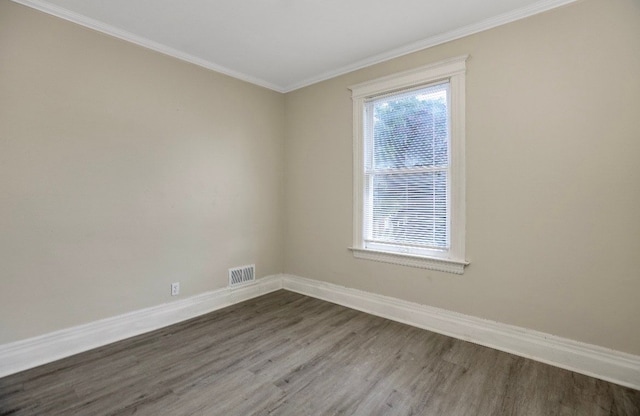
(320, 207)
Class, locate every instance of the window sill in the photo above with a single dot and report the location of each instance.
(431, 263)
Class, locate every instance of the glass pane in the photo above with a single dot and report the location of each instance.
(411, 129)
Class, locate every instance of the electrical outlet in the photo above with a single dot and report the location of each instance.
(175, 289)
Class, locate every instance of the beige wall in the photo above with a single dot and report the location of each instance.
(123, 170)
(553, 178)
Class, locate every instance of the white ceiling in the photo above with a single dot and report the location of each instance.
(288, 44)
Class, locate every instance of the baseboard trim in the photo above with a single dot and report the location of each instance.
(592, 360)
(32, 352)
(588, 359)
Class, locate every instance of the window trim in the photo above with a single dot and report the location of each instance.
(452, 70)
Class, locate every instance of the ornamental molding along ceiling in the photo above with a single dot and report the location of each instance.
(284, 45)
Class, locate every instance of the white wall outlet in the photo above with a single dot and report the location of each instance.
(175, 289)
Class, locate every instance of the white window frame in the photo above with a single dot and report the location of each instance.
(452, 71)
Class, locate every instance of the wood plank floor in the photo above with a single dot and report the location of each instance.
(288, 354)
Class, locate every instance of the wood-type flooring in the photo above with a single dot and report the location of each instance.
(288, 354)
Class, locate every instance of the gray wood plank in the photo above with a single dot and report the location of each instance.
(288, 354)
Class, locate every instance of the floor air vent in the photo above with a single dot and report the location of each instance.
(240, 275)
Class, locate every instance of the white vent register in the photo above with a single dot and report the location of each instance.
(243, 274)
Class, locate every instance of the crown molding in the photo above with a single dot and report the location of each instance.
(524, 12)
(535, 8)
(110, 30)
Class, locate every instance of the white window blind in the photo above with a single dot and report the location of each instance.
(407, 171)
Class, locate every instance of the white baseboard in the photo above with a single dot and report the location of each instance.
(32, 352)
(592, 360)
(588, 359)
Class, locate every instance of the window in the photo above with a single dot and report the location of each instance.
(409, 167)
